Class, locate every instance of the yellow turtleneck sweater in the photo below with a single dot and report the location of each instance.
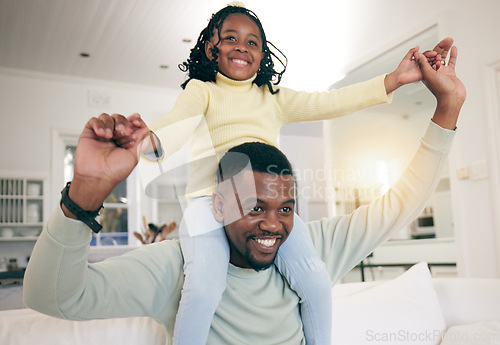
(213, 117)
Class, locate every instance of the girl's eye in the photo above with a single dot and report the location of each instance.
(252, 43)
(231, 38)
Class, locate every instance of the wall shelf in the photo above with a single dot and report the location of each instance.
(22, 206)
(19, 239)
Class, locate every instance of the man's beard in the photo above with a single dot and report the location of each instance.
(258, 266)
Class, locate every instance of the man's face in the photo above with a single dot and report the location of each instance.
(262, 218)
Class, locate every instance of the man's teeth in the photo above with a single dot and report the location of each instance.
(267, 242)
(241, 62)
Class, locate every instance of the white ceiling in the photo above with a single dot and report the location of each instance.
(128, 40)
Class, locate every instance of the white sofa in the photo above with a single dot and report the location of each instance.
(411, 309)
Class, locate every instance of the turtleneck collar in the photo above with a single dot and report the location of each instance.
(235, 85)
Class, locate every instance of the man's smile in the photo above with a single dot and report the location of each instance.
(266, 245)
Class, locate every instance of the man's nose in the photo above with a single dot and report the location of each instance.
(270, 223)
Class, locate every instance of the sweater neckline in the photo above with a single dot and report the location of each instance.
(235, 85)
(246, 273)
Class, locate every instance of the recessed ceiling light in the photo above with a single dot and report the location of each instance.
(85, 55)
(164, 66)
(187, 40)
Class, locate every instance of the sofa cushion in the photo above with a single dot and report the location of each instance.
(466, 301)
(478, 333)
(26, 327)
(403, 310)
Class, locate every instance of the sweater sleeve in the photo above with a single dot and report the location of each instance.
(344, 241)
(60, 282)
(296, 106)
(177, 127)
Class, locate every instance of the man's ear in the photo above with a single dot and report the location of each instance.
(208, 50)
(217, 205)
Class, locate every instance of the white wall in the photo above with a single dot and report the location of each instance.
(32, 104)
(380, 25)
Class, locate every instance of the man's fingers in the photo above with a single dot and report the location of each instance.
(124, 131)
(102, 127)
(122, 127)
(453, 57)
(443, 47)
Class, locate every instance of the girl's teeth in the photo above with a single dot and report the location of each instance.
(241, 62)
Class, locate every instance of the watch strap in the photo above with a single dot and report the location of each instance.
(87, 217)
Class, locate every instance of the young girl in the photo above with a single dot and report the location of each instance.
(233, 86)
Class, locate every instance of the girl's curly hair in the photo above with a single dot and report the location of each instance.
(200, 67)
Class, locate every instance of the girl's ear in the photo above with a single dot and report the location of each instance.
(217, 204)
(208, 50)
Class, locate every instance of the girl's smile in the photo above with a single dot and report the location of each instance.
(240, 47)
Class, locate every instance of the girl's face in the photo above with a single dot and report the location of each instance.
(240, 47)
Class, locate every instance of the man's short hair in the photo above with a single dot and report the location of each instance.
(260, 157)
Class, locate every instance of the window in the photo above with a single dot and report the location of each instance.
(114, 215)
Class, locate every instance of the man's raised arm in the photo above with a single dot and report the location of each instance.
(344, 241)
(106, 154)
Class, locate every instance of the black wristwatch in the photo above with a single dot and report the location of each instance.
(87, 217)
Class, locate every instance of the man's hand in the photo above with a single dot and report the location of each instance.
(444, 84)
(408, 70)
(106, 154)
(441, 50)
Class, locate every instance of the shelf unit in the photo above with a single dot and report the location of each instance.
(22, 207)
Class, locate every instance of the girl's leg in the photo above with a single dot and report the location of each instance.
(299, 262)
(206, 258)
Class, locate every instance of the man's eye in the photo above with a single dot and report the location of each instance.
(255, 210)
(286, 209)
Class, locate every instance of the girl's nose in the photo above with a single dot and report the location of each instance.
(241, 47)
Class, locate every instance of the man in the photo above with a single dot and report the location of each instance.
(258, 306)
